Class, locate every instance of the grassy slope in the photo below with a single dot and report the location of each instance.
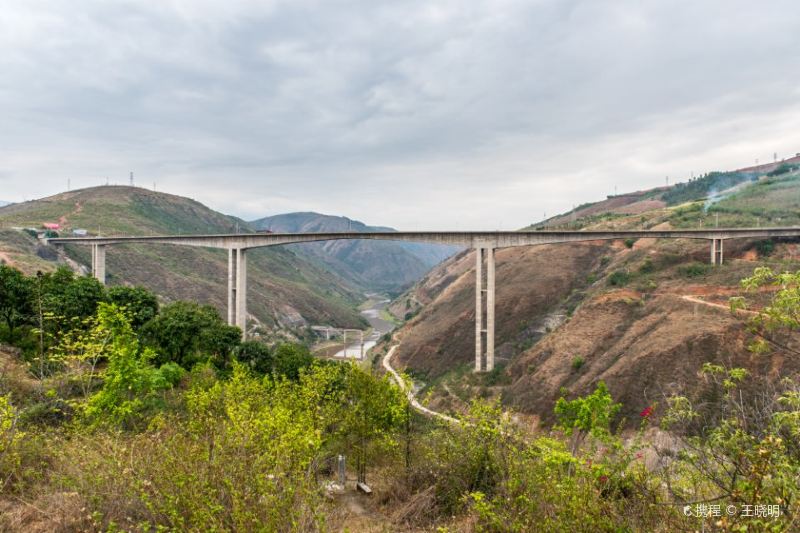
(282, 286)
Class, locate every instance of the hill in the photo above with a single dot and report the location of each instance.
(643, 316)
(374, 265)
(285, 291)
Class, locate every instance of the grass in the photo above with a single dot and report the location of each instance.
(281, 284)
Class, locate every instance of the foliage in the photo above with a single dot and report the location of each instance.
(246, 455)
(618, 278)
(783, 168)
(510, 481)
(629, 243)
(375, 412)
(701, 187)
(256, 355)
(188, 333)
(780, 316)
(291, 359)
(131, 385)
(577, 363)
(765, 247)
(467, 459)
(694, 270)
(589, 414)
(69, 298)
(10, 438)
(140, 304)
(748, 457)
(15, 299)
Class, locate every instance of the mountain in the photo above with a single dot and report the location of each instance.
(285, 291)
(643, 316)
(373, 265)
(2, 203)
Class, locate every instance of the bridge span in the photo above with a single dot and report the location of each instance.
(484, 243)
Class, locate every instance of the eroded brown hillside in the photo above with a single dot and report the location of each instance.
(531, 295)
(642, 316)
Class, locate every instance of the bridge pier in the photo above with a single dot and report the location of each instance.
(99, 262)
(716, 251)
(237, 289)
(484, 308)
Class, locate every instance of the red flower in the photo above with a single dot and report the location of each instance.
(647, 411)
(639, 455)
(603, 478)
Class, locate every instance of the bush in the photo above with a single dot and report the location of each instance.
(577, 363)
(290, 359)
(619, 278)
(647, 266)
(139, 304)
(629, 243)
(256, 356)
(188, 333)
(131, 385)
(694, 270)
(765, 247)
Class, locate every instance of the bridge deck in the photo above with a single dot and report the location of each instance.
(495, 239)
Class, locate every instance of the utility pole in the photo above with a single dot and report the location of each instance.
(131, 178)
(68, 184)
(716, 220)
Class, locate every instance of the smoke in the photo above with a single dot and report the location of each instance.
(714, 197)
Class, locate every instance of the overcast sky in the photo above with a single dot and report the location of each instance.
(415, 114)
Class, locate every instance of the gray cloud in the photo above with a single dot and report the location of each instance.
(416, 114)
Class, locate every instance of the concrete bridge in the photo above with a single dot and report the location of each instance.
(484, 243)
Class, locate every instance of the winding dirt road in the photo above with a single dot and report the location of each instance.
(387, 364)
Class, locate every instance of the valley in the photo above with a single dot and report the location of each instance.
(640, 326)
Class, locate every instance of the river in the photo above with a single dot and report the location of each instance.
(380, 326)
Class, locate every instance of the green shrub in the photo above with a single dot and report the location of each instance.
(577, 363)
(291, 359)
(619, 278)
(131, 385)
(647, 266)
(694, 270)
(140, 304)
(255, 355)
(629, 243)
(188, 333)
(765, 247)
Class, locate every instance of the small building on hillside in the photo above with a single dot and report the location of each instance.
(51, 226)
(79, 233)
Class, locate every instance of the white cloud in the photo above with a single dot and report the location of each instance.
(416, 114)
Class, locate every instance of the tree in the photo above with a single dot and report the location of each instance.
(188, 333)
(256, 355)
(140, 304)
(70, 299)
(375, 412)
(290, 359)
(15, 299)
(131, 384)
